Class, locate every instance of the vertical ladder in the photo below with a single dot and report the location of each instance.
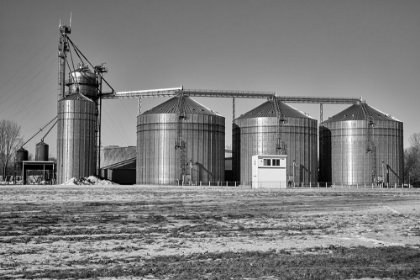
(280, 145)
(97, 148)
(99, 71)
(370, 145)
(180, 142)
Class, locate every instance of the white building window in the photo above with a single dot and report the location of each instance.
(267, 162)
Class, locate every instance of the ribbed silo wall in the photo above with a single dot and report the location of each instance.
(344, 159)
(75, 138)
(258, 136)
(83, 81)
(158, 162)
(21, 156)
(41, 151)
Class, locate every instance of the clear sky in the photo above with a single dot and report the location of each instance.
(331, 48)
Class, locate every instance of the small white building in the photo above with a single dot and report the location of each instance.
(269, 171)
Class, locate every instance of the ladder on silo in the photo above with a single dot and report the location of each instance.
(370, 145)
(180, 142)
(280, 145)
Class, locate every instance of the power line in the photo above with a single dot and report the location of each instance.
(28, 61)
(21, 80)
(116, 126)
(24, 96)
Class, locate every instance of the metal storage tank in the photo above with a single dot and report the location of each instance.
(21, 156)
(41, 151)
(203, 130)
(76, 137)
(84, 81)
(255, 133)
(361, 145)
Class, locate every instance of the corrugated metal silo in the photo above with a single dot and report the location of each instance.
(21, 156)
(203, 130)
(361, 145)
(84, 81)
(41, 151)
(76, 137)
(255, 133)
(76, 126)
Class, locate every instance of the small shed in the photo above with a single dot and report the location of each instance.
(38, 172)
(269, 171)
(123, 173)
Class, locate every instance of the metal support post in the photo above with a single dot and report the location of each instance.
(233, 109)
(294, 164)
(321, 112)
(139, 106)
(100, 70)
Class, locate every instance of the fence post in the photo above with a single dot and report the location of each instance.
(226, 183)
(235, 183)
(209, 183)
(310, 184)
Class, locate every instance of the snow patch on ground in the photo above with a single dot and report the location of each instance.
(91, 180)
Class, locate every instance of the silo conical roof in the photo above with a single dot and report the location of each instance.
(355, 112)
(190, 107)
(268, 109)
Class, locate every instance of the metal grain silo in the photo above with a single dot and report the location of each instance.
(21, 156)
(75, 137)
(83, 81)
(76, 126)
(255, 133)
(361, 145)
(176, 143)
(41, 151)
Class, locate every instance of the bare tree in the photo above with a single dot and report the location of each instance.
(9, 142)
(412, 160)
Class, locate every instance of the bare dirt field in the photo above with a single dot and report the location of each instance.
(153, 232)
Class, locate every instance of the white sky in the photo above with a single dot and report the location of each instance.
(357, 48)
